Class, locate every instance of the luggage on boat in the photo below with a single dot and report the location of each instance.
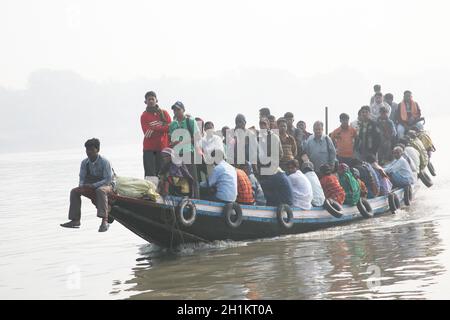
(426, 141)
(136, 188)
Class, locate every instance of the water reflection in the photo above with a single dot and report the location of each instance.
(396, 261)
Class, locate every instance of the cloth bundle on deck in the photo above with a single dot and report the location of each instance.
(136, 188)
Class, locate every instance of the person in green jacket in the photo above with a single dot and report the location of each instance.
(350, 184)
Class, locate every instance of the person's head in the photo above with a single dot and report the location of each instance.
(411, 134)
(240, 121)
(365, 113)
(292, 166)
(150, 99)
(209, 128)
(272, 122)
(407, 95)
(307, 166)
(344, 118)
(318, 129)
(218, 155)
(264, 124)
(402, 145)
(383, 113)
(178, 109)
(389, 98)
(282, 125)
(301, 125)
(264, 112)
(378, 97)
(289, 117)
(92, 148)
(377, 88)
(343, 168)
(397, 152)
(325, 170)
(166, 155)
(355, 162)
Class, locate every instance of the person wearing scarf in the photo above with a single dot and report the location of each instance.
(174, 177)
(408, 113)
(350, 185)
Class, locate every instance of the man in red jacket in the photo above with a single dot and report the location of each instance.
(155, 126)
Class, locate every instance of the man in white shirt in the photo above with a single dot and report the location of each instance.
(318, 195)
(301, 187)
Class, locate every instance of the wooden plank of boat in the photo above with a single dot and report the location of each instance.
(156, 222)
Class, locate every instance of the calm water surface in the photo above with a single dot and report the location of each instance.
(396, 256)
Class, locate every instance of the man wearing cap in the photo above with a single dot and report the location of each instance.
(155, 126)
(186, 142)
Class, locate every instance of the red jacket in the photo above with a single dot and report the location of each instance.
(159, 138)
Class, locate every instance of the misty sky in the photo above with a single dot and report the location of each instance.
(61, 60)
(123, 40)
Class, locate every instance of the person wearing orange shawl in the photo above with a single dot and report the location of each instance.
(408, 114)
(330, 184)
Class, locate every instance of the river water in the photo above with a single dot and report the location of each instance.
(400, 256)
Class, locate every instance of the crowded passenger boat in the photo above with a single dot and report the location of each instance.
(203, 184)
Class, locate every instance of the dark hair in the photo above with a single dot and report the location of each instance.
(281, 120)
(389, 96)
(294, 162)
(377, 86)
(365, 108)
(288, 115)
(150, 94)
(344, 116)
(407, 91)
(383, 109)
(264, 111)
(209, 123)
(378, 94)
(92, 143)
(270, 117)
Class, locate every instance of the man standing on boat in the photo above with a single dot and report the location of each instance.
(408, 114)
(186, 142)
(155, 126)
(319, 148)
(376, 89)
(344, 139)
(96, 183)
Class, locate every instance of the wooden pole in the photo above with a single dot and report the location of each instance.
(326, 120)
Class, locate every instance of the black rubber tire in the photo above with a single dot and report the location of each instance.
(186, 203)
(407, 197)
(425, 178)
(333, 208)
(431, 169)
(228, 210)
(364, 208)
(290, 216)
(394, 202)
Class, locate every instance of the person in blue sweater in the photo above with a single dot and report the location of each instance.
(277, 189)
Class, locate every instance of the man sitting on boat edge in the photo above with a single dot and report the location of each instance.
(96, 183)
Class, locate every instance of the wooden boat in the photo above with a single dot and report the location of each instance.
(160, 223)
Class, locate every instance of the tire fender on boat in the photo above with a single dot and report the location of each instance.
(186, 203)
(364, 208)
(431, 169)
(281, 210)
(407, 196)
(425, 178)
(394, 202)
(232, 213)
(333, 207)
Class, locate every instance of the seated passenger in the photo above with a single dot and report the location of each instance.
(362, 185)
(412, 156)
(417, 144)
(399, 170)
(258, 193)
(245, 191)
(222, 183)
(330, 185)
(383, 178)
(277, 188)
(174, 179)
(368, 176)
(350, 185)
(318, 196)
(301, 187)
